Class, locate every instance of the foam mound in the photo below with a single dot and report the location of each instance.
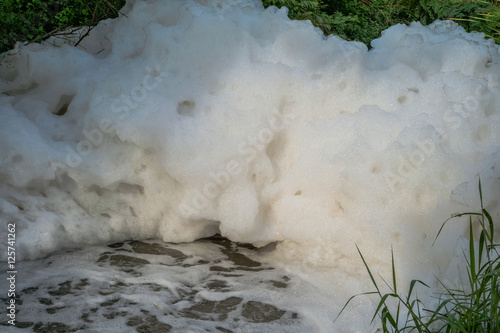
(183, 119)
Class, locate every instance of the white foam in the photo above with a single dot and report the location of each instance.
(185, 119)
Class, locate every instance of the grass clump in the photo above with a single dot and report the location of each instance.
(473, 309)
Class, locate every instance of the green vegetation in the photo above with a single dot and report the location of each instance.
(473, 309)
(364, 20)
(361, 20)
(35, 20)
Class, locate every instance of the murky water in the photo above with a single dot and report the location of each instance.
(212, 285)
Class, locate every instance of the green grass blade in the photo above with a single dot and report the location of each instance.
(490, 225)
(480, 193)
(412, 285)
(394, 286)
(472, 255)
(454, 216)
(350, 299)
(368, 270)
(481, 247)
(382, 304)
(386, 315)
